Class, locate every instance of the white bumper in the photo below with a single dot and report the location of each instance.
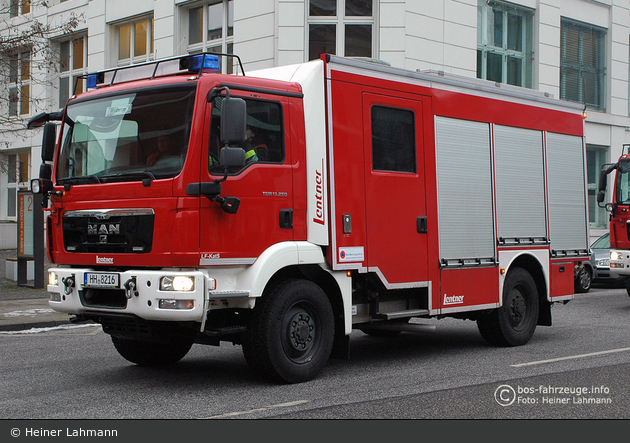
(147, 301)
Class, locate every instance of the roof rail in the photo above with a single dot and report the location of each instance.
(191, 63)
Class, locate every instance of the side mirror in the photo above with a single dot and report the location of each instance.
(232, 157)
(45, 171)
(48, 142)
(233, 121)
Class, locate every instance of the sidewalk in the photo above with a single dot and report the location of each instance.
(23, 307)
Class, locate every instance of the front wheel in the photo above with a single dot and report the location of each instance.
(291, 334)
(514, 323)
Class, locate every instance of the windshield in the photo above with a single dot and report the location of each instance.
(623, 182)
(128, 136)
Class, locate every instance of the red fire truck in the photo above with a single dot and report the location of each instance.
(619, 209)
(281, 209)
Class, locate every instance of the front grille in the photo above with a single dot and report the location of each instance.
(109, 231)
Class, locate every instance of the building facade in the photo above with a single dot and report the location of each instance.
(576, 50)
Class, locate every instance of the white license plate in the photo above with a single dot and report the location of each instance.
(101, 280)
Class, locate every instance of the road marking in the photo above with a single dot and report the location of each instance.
(572, 357)
(28, 313)
(265, 408)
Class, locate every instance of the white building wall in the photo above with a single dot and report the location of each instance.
(436, 34)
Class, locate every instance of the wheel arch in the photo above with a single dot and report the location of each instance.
(333, 290)
(535, 267)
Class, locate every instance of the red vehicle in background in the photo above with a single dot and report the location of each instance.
(619, 209)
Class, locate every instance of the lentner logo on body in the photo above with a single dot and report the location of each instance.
(319, 196)
(105, 260)
(453, 299)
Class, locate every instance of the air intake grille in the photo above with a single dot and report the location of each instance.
(109, 231)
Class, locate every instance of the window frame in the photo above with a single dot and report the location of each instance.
(149, 42)
(19, 7)
(340, 21)
(223, 44)
(598, 71)
(72, 74)
(485, 48)
(19, 84)
(21, 172)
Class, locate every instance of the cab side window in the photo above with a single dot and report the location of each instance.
(264, 136)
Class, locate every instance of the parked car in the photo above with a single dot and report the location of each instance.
(599, 263)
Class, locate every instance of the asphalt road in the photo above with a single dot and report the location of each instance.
(577, 369)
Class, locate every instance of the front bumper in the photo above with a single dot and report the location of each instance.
(137, 293)
(619, 263)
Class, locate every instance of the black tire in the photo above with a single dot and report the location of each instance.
(583, 281)
(292, 332)
(514, 323)
(145, 353)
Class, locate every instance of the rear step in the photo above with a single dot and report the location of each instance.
(401, 314)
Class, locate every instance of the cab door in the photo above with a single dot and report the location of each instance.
(396, 210)
(264, 185)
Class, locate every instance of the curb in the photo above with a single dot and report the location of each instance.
(32, 325)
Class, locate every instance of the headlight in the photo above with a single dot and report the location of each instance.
(603, 262)
(180, 283)
(53, 279)
(616, 255)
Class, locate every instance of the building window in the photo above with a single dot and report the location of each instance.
(19, 84)
(504, 44)
(210, 28)
(72, 64)
(17, 178)
(596, 157)
(342, 27)
(135, 41)
(582, 64)
(19, 7)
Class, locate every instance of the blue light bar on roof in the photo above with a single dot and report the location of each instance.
(91, 81)
(210, 62)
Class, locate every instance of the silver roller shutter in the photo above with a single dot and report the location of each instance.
(520, 185)
(568, 223)
(465, 200)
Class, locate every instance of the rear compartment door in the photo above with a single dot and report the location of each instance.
(395, 194)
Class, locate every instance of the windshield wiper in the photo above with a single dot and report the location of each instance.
(81, 179)
(145, 176)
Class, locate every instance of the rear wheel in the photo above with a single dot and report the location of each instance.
(291, 335)
(514, 323)
(145, 353)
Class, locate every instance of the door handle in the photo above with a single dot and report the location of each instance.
(421, 225)
(286, 219)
